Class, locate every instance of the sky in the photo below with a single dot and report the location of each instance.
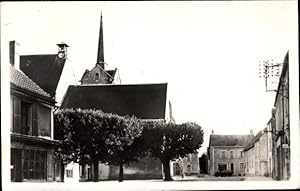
(207, 52)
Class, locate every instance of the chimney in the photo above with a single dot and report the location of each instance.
(212, 131)
(14, 58)
(251, 131)
(273, 111)
(12, 52)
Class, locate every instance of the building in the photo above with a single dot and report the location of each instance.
(256, 155)
(99, 75)
(32, 105)
(225, 152)
(281, 126)
(203, 162)
(145, 101)
(189, 165)
(99, 91)
(270, 148)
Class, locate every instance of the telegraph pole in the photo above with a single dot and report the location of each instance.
(267, 69)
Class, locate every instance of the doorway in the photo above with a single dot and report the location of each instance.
(16, 165)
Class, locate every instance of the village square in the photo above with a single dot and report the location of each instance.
(82, 123)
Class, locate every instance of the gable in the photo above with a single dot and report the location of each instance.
(98, 76)
(45, 70)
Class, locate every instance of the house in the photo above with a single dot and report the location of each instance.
(270, 148)
(225, 152)
(32, 106)
(98, 90)
(203, 162)
(280, 125)
(189, 165)
(256, 155)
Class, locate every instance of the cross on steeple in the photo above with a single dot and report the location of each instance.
(100, 57)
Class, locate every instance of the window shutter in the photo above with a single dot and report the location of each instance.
(50, 168)
(35, 120)
(11, 114)
(17, 115)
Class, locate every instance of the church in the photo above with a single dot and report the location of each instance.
(100, 89)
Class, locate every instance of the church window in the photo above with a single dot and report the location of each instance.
(97, 76)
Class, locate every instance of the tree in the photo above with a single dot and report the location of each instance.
(80, 134)
(123, 131)
(168, 141)
(90, 136)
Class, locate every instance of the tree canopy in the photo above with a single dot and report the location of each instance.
(90, 136)
(168, 141)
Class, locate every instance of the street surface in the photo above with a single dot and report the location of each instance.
(187, 183)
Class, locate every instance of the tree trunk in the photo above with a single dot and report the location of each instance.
(62, 171)
(96, 170)
(166, 168)
(121, 173)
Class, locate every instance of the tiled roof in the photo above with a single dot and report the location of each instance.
(19, 79)
(230, 140)
(255, 139)
(145, 101)
(45, 70)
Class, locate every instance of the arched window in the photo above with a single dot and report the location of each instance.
(97, 76)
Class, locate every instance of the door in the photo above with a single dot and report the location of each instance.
(232, 167)
(176, 169)
(16, 165)
(279, 164)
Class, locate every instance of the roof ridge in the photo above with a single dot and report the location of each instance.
(118, 84)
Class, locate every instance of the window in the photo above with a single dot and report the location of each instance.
(34, 164)
(223, 154)
(242, 167)
(26, 118)
(222, 167)
(189, 158)
(69, 173)
(97, 76)
(241, 154)
(44, 121)
(231, 154)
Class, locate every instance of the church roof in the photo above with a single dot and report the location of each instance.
(20, 80)
(45, 70)
(145, 101)
(229, 140)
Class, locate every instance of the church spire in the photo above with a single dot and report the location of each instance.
(100, 58)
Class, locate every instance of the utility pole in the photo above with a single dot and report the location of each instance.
(267, 70)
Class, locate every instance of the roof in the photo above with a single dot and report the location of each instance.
(255, 139)
(230, 140)
(145, 101)
(45, 70)
(284, 71)
(111, 72)
(21, 80)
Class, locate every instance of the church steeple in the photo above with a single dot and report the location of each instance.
(100, 57)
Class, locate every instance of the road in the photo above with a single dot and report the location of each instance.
(188, 183)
